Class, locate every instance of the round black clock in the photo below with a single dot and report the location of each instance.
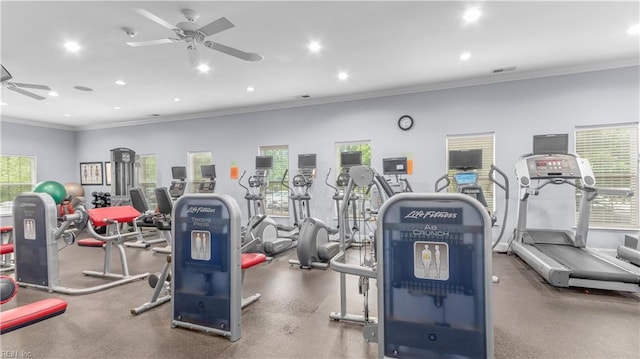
(405, 122)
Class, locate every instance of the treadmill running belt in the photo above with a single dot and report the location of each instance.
(586, 266)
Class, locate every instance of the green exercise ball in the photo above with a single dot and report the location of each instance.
(52, 188)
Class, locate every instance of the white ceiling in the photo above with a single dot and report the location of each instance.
(386, 47)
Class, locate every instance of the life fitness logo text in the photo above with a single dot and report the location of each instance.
(433, 215)
(193, 210)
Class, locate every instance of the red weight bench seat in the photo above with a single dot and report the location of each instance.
(249, 260)
(27, 314)
(6, 249)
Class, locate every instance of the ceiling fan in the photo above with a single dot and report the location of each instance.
(5, 76)
(191, 33)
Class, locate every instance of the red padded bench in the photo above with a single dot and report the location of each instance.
(28, 314)
(91, 242)
(6, 248)
(249, 260)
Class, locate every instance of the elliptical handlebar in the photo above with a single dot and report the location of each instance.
(504, 185)
(326, 180)
(285, 184)
(444, 178)
(240, 182)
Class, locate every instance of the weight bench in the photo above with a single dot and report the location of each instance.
(113, 218)
(28, 314)
(248, 260)
(6, 249)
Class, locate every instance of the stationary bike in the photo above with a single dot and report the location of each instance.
(264, 228)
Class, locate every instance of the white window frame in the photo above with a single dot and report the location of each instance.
(6, 206)
(276, 196)
(193, 170)
(148, 185)
(611, 212)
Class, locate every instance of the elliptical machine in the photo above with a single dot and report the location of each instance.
(315, 249)
(466, 182)
(266, 231)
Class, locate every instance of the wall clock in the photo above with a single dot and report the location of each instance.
(405, 122)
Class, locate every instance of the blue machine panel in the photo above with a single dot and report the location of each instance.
(201, 255)
(434, 280)
(30, 238)
(463, 178)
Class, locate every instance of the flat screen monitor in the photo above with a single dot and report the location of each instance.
(264, 162)
(551, 144)
(350, 159)
(465, 159)
(179, 172)
(307, 160)
(208, 171)
(394, 166)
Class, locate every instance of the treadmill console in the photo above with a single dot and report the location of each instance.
(561, 166)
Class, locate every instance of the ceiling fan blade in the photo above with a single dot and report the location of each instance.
(31, 86)
(151, 42)
(247, 56)
(26, 93)
(216, 26)
(5, 75)
(155, 19)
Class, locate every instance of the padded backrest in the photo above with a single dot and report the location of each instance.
(138, 200)
(164, 201)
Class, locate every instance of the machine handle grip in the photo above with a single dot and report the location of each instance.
(505, 180)
(444, 178)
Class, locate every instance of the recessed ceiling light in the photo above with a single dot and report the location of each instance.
(343, 75)
(472, 14)
(176, 99)
(634, 29)
(53, 94)
(465, 56)
(204, 68)
(72, 46)
(67, 115)
(116, 107)
(314, 46)
(250, 89)
(4, 103)
(120, 82)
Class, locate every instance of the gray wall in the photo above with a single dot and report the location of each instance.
(514, 111)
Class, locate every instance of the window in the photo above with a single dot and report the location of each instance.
(147, 177)
(365, 148)
(197, 159)
(17, 175)
(276, 196)
(613, 154)
(485, 142)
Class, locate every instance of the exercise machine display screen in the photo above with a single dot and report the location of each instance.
(179, 172)
(208, 171)
(465, 159)
(350, 159)
(463, 178)
(264, 162)
(550, 144)
(394, 166)
(553, 167)
(307, 160)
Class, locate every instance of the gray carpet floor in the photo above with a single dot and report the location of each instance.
(531, 318)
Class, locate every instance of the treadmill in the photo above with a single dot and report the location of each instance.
(561, 256)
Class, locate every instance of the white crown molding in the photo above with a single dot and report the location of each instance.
(517, 75)
(27, 122)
